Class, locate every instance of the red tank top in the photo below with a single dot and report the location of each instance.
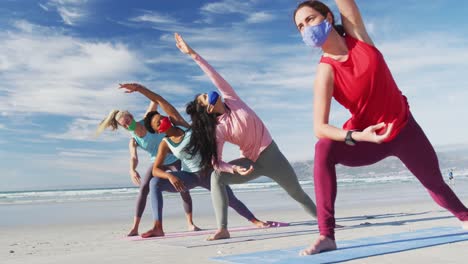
(365, 86)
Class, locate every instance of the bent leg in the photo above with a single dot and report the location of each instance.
(219, 193)
(328, 153)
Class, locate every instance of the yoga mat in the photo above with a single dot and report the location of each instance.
(272, 224)
(358, 248)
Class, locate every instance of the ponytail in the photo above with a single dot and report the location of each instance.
(110, 121)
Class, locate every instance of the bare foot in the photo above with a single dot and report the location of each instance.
(193, 228)
(260, 224)
(465, 225)
(322, 243)
(220, 234)
(153, 233)
(133, 232)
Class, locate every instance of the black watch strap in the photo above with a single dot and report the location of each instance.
(349, 139)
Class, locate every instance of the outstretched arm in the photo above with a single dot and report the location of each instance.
(169, 109)
(352, 20)
(224, 87)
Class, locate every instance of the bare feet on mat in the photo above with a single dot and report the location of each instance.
(193, 228)
(220, 234)
(322, 244)
(153, 233)
(133, 232)
(260, 224)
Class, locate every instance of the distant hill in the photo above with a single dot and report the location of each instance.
(449, 158)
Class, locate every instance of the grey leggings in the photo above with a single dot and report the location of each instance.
(271, 164)
(145, 188)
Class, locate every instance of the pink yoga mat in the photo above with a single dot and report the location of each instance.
(272, 224)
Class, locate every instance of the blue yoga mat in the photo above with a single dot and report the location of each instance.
(358, 248)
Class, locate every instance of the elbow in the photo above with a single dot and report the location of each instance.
(319, 131)
(156, 172)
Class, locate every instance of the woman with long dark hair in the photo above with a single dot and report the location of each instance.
(215, 122)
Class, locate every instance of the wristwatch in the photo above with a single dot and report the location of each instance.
(349, 139)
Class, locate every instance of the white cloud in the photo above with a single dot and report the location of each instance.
(259, 17)
(44, 7)
(70, 15)
(71, 11)
(154, 17)
(69, 76)
(227, 7)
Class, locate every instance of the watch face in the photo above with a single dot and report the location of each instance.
(349, 140)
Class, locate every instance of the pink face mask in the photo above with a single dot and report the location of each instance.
(164, 124)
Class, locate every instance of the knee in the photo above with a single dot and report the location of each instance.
(215, 178)
(154, 183)
(323, 148)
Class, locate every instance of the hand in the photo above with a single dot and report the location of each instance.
(135, 176)
(243, 171)
(182, 45)
(131, 87)
(177, 183)
(370, 133)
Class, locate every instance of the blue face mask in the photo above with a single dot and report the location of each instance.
(315, 36)
(213, 97)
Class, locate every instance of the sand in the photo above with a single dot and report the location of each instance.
(93, 232)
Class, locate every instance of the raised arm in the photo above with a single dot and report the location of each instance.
(169, 109)
(163, 150)
(223, 86)
(352, 20)
(153, 106)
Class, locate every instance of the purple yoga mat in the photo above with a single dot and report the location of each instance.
(272, 224)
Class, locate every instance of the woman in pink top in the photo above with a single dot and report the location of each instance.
(215, 122)
(354, 72)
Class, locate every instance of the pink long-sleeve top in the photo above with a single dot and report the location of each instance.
(239, 125)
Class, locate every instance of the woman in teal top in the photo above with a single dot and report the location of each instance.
(150, 143)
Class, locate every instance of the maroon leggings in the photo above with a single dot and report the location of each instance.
(411, 146)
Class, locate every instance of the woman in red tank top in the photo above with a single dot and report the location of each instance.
(354, 72)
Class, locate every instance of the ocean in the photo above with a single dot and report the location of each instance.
(387, 172)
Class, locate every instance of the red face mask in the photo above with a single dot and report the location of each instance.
(164, 124)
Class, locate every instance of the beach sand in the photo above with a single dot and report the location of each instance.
(93, 232)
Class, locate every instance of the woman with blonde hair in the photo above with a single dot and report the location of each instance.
(149, 142)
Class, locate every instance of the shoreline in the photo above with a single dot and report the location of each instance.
(94, 231)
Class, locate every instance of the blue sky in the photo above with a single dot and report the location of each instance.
(61, 62)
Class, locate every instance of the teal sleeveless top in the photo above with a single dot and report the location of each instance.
(150, 143)
(189, 164)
